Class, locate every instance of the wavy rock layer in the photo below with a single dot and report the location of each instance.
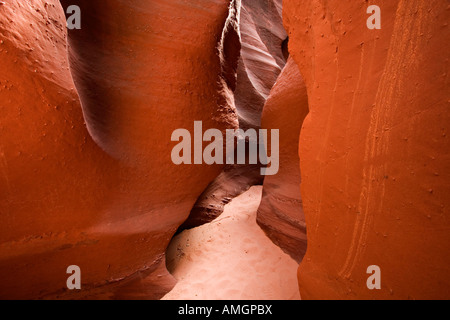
(260, 62)
(280, 214)
(374, 149)
(108, 201)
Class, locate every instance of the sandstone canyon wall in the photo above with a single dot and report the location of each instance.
(374, 149)
(280, 214)
(261, 38)
(86, 175)
(107, 197)
(262, 59)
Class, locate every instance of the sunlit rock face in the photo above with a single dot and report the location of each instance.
(85, 147)
(374, 149)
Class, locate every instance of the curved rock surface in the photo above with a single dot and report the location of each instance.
(374, 149)
(108, 201)
(138, 64)
(261, 60)
(86, 176)
(231, 258)
(280, 214)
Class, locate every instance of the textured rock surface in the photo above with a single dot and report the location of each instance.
(374, 149)
(135, 63)
(281, 213)
(261, 60)
(111, 203)
(214, 261)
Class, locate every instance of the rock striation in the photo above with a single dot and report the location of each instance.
(280, 214)
(86, 172)
(374, 148)
(261, 59)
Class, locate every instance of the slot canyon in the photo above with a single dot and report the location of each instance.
(357, 141)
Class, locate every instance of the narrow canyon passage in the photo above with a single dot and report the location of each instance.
(231, 258)
(124, 123)
(250, 248)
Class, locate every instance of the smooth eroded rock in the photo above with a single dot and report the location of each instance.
(107, 197)
(261, 36)
(374, 150)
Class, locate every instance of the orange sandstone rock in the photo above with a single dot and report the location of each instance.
(261, 60)
(107, 200)
(281, 213)
(374, 149)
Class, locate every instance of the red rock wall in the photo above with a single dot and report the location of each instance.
(374, 149)
(261, 36)
(262, 59)
(280, 214)
(107, 200)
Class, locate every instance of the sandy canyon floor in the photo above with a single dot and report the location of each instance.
(231, 259)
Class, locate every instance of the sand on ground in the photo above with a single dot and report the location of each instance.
(231, 259)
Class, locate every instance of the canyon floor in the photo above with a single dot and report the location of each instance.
(231, 258)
